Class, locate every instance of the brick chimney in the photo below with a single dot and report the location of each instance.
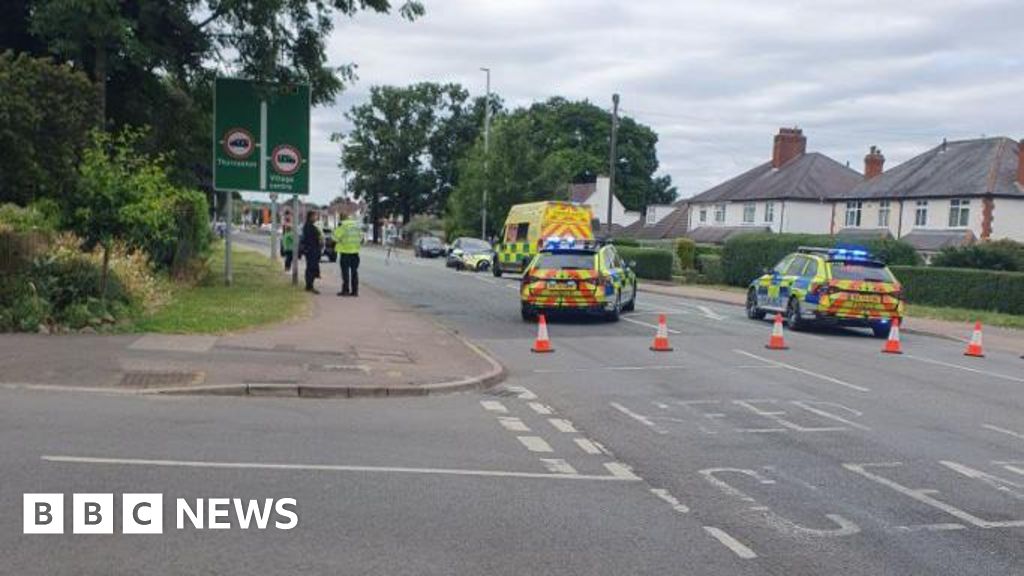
(789, 144)
(873, 163)
(1020, 163)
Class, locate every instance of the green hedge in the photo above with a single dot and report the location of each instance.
(998, 255)
(962, 288)
(746, 256)
(651, 263)
(686, 251)
(710, 267)
(630, 242)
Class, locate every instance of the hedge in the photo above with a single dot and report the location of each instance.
(651, 263)
(746, 256)
(962, 288)
(686, 251)
(710, 266)
(998, 255)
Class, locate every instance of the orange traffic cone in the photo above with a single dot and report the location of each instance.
(543, 343)
(777, 342)
(892, 345)
(661, 338)
(974, 346)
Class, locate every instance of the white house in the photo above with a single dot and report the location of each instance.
(595, 195)
(955, 193)
(791, 193)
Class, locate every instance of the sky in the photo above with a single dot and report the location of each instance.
(715, 79)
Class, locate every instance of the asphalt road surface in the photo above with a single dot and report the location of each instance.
(719, 458)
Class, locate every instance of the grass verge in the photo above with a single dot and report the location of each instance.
(261, 294)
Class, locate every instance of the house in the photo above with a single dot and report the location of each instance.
(662, 222)
(595, 195)
(793, 192)
(954, 194)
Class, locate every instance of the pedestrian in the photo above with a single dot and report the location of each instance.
(288, 246)
(310, 246)
(390, 241)
(348, 236)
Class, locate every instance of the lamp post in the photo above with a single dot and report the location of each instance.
(487, 153)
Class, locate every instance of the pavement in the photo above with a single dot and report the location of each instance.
(602, 458)
(347, 347)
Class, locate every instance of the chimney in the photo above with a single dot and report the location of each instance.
(873, 163)
(1020, 163)
(789, 144)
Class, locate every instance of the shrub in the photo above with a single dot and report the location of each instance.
(998, 255)
(963, 288)
(651, 263)
(710, 267)
(686, 251)
(630, 242)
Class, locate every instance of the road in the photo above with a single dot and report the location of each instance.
(720, 458)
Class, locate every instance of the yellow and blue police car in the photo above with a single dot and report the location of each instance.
(576, 276)
(839, 286)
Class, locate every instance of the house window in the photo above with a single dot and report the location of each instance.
(719, 213)
(749, 212)
(959, 213)
(853, 210)
(921, 213)
(703, 214)
(884, 209)
(769, 211)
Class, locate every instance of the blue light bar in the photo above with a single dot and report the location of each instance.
(559, 243)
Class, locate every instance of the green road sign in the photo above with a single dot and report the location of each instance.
(260, 137)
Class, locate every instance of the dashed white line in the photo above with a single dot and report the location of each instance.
(562, 425)
(804, 371)
(542, 409)
(587, 446)
(513, 424)
(964, 368)
(522, 393)
(494, 406)
(709, 313)
(558, 466)
(638, 417)
(731, 543)
(648, 325)
(670, 499)
(1017, 435)
(535, 443)
(620, 470)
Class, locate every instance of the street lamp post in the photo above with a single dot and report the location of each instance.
(612, 159)
(487, 154)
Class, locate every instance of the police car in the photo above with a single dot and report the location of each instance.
(572, 276)
(842, 286)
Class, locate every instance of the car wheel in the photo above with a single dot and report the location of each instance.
(616, 311)
(793, 318)
(881, 330)
(496, 268)
(753, 312)
(631, 305)
(529, 313)
(483, 265)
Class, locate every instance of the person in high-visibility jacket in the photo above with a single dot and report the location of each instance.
(348, 236)
(288, 246)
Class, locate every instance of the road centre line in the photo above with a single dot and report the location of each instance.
(638, 417)
(1017, 435)
(326, 468)
(522, 393)
(620, 470)
(962, 367)
(709, 313)
(563, 425)
(587, 446)
(494, 406)
(670, 499)
(648, 325)
(542, 409)
(737, 547)
(804, 371)
(535, 443)
(513, 424)
(653, 368)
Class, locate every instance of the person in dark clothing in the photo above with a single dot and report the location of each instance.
(311, 248)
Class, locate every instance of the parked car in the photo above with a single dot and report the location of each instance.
(470, 254)
(428, 247)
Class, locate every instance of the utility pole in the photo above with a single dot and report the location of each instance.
(612, 160)
(273, 226)
(487, 154)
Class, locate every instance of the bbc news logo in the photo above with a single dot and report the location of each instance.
(144, 514)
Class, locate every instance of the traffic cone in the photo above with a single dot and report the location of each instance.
(892, 345)
(661, 338)
(543, 343)
(974, 346)
(777, 342)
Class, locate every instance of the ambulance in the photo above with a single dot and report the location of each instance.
(529, 226)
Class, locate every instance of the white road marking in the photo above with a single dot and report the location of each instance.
(670, 499)
(1017, 435)
(522, 393)
(638, 417)
(661, 405)
(494, 406)
(535, 443)
(648, 325)
(1001, 484)
(731, 543)
(941, 527)
(620, 470)
(513, 424)
(558, 466)
(807, 406)
(776, 416)
(562, 425)
(804, 371)
(542, 409)
(650, 368)
(964, 368)
(708, 312)
(587, 446)
(325, 468)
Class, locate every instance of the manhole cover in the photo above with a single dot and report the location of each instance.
(160, 379)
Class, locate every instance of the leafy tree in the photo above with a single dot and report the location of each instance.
(46, 112)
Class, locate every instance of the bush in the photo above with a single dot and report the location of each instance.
(745, 256)
(630, 242)
(1004, 255)
(651, 263)
(710, 267)
(686, 251)
(963, 288)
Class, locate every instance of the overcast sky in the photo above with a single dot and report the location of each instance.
(714, 78)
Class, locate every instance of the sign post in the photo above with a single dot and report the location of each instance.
(260, 143)
(295, 235)
(273, 226)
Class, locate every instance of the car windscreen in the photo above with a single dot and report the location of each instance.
(565, 261)
(430, 242)
(861, 271)
(474, 246)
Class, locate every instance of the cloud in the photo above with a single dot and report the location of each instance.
(714, 78)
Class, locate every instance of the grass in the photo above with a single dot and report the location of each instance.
(966, 315)
(261, 294)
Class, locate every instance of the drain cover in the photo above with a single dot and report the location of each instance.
(159, 379)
